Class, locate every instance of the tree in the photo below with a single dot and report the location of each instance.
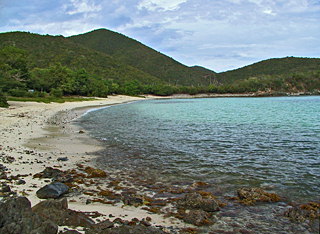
(14, 72)
(3, 100)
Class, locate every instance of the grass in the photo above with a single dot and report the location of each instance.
(50, 99)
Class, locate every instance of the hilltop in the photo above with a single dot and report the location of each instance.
(142, 57)
(271, 67)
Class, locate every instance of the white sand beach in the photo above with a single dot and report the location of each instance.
(34, 135)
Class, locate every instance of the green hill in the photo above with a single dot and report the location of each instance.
(134, 53)
(271, 67)
(45, 50)
(103, 62)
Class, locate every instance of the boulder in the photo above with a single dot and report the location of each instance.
(197, 202)
(17, 217)
(54, 190)
(58, 212)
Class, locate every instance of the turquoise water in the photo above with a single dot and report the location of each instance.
(272, 143)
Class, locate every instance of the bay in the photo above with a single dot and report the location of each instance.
(273, 143)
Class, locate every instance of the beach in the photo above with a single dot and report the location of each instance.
(38, 136)
(34, 136)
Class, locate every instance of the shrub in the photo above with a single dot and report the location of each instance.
(57, 93)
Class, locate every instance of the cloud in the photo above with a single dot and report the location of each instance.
(81, 6)
(161, 5)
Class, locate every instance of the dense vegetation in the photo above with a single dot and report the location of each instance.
(102, 62)
(134, 53)
(271, 67)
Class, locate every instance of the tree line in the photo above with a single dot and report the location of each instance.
(19, 78)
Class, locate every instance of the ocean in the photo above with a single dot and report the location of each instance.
(270, 142)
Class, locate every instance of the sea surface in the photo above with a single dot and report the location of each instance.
(272, 143)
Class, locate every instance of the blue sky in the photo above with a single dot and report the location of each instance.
(217, 34)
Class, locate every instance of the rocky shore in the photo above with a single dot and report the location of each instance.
(50, 184)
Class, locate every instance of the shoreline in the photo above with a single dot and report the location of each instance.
(37, 134)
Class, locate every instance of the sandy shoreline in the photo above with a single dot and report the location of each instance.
(35, 135)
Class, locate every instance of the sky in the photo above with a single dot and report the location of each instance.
(217, 34)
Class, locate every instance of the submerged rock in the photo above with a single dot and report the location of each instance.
(54, 190)
(17, 217)
(196, 201)
(249, 196)
(301, 213)
(197, 217)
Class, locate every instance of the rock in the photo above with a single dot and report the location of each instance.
(309, 211)
(126, 229)
(249, 196)
(54, 190)
(20, 181)
(197, 217)
(58, 212)
(5, 188)
(132, 201)
(16, 217)
(95, 173)
(49, 172)
(196, 201)
(100, 227)
(81, 132)
(63, 159)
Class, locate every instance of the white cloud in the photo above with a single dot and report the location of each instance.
(81, 6)
(162, 5)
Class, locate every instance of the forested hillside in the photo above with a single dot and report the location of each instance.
(144, 58)
(102, 62)
(271, 67)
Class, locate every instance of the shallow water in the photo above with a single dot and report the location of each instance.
(272, 143)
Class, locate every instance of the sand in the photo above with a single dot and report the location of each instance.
(35, 135)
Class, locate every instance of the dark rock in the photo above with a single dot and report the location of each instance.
(104, 225)
(19, 182)
(49, 172)
(81, 131)
(5, 188)
(126, 229)
(132, 201)
(197, 217)
(54, 190)
(16, 217)
(63, 159)
(196, 201)
(58, 212)
(145, 223)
